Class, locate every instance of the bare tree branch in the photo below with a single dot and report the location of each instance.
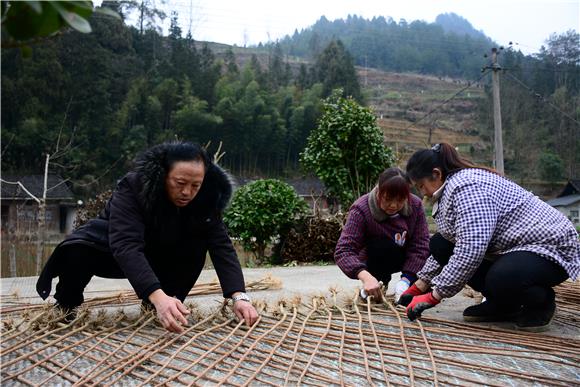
(62, 125)
(58, 185)
(18, 183)
(7, 145)
(103, 174)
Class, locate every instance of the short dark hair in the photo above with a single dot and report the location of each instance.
(154, 164)
(394, 184)
(183, 151)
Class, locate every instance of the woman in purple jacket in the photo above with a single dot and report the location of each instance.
(386, 232)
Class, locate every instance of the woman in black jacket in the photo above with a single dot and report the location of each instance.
(156, 230)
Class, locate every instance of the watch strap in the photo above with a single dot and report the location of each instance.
(241, 297)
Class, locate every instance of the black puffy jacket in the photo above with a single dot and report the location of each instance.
(139, 226)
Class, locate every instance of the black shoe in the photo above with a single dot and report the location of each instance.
(489, 311)
(68, 313)
(536, 319)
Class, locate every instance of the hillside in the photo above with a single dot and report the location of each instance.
(452, 47)
(400, 100)
(117, 91)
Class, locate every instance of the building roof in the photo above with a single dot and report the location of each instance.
(307, 186)
(571, 188)
(564, 200)
(304, 186)
(57, 188)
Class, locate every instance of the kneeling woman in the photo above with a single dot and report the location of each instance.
(493, 235)
(386, 232)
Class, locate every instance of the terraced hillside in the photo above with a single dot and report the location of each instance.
(401, 102)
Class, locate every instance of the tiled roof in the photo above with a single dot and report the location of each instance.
(571, 188)
(57, 188)
(304, 186)
(564, 200)
(307, 186)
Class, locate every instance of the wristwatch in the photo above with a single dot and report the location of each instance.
(241, 297)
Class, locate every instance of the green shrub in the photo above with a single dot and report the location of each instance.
(346, 151)
(261, 211)
(551, 166)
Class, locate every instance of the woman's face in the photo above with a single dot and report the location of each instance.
(184, 181)
(429, 185)
(390, 206)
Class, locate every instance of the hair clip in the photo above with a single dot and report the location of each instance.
(436, 148)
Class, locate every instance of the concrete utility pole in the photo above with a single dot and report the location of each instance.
(498, 142)
(366, 71)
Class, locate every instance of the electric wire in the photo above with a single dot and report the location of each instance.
(436, 108)
(542, 98)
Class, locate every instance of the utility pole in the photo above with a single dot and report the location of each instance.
(190, 16)
(498, 142)
(366, 71)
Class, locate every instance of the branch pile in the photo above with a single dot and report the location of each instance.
(314, 239)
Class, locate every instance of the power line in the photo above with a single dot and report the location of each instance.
(543, 99)
(446, 101)
(528, 70)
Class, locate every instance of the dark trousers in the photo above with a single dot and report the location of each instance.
(513, 279)
(79, 263)
(385, 257)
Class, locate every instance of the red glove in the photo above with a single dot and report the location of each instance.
(408, 295)
(419, 304)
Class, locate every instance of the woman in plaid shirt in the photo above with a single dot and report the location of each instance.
(493, 235)
(385, 233)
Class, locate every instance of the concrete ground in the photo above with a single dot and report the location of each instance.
(296, 281)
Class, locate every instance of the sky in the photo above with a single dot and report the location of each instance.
(526, 23)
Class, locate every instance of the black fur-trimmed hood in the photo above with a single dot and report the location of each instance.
(214, 195)
(151, 233)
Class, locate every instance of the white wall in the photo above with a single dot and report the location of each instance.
(572, 212)
(71, 214)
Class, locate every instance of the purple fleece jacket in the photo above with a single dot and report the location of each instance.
(366, 221)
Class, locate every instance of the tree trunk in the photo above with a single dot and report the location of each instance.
(12, 255)
(260, 252)
(41, 234)
(141, 17)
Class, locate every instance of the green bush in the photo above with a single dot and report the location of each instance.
(346, 151)
(551, 166)
(261, 211)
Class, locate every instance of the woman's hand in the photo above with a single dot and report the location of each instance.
(246, 311)
(421, 303)
(401, 287)
(371, 285)
(170, 311)
(418, 288)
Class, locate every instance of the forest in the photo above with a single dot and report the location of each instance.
(109, 94)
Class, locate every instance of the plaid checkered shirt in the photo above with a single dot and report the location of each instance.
(487, 215)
